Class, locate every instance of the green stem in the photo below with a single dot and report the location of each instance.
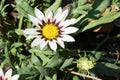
(20, 25)
(20, 22)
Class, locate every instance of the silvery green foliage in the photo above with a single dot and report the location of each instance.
(31, 63)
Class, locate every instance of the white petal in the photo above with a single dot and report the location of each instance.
(67, 22)
(31, 31)
(53, 45)
(31, 37)
(69, 30)
(36, 42)
(60, 42)
(43, 43)
(1, 73)
(34, 20)
(39, 14)
(49, 16)
(15, 77)
(62, 16)
(8, 74)
(58, 13)
(67, 38)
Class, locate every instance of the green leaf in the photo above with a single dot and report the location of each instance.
(24, 70)
(2, 44)
(40, 54)
(108, 69)
(16, 44)
(66, 63)
(82, 2)
(3, 6)
(45, 52)
(76, 12)
(76, 78)
(96, 55)
(103, 20)
(110, 60)
(44, 58)
(54, 77)
(7, 56)
(19, 31)
(24, 8)
(54, 6)
(98, 8)
(41, 77)
(48, 52)
(28, 73)
(56, 60)
(47, 71)
(13, 51)
(100, 4)
(35, 60)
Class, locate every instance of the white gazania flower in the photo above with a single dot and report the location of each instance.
(8, 75)
(52, 29)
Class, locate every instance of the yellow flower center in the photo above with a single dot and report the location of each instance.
(50, 31)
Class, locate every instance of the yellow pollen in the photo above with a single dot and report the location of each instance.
(50, 31)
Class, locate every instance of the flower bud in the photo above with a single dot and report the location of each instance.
(85, 64)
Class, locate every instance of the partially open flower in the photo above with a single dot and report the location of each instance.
(51, 29)
(84, 64)
(8, 75)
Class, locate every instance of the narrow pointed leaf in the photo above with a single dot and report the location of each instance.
(24, 8)
(103, 20)
(54, 6)
(66, 63)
